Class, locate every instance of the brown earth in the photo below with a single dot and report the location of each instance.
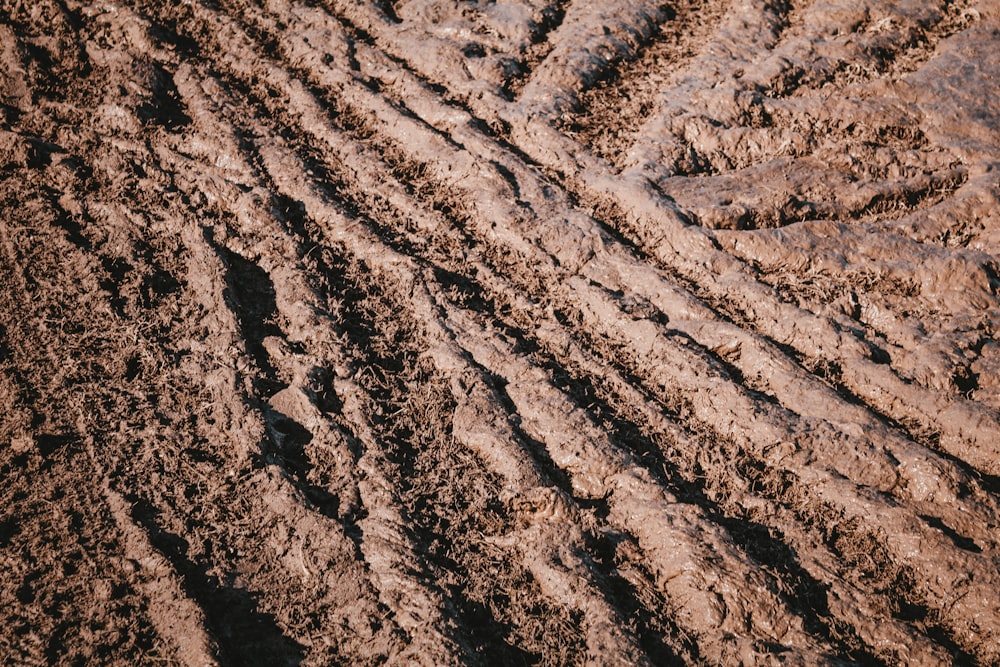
(471, 332)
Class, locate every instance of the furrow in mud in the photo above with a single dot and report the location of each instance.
(928, 413)
(696, 570)
(388, 333)
(558, 582)
(378, 558)
(550, 577)
(637, 277)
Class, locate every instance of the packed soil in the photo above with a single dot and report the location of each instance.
(499, 332)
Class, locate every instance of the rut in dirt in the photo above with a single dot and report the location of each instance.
(539, 332)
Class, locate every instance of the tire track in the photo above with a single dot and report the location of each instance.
(634, 196)
(550, 578)
(398, 522)
(637, 279)
(427, 380)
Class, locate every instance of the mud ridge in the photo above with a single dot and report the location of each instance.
(536, 332)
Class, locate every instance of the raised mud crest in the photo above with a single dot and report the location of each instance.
(449, 332)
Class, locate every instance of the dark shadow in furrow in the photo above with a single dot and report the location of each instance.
(9, 117)
(245, 635)
(862, 554)
(538, 50)
(164, 106)
(388, 8)
(66, 221)
(164, 29)
(987, 482)
(9, 527)
(652, 630)
(725, 368)
(5, 351)
(157, 282)
(250, 295)
(553, 17)
(289, 441)
(477, 627)
(958, 540)
(551, 472)
(40, 153)
(36, 60)
(759, 542)
(117, 269)
(897, 202)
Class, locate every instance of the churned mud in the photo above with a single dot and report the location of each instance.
(527, 332)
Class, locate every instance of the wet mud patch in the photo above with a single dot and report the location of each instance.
(518, 333)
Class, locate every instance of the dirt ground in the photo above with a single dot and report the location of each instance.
(499, 332)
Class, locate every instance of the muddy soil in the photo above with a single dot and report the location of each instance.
(526, 332)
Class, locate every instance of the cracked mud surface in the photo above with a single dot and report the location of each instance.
(529, 332)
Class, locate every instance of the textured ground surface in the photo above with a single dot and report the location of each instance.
(527, 332)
